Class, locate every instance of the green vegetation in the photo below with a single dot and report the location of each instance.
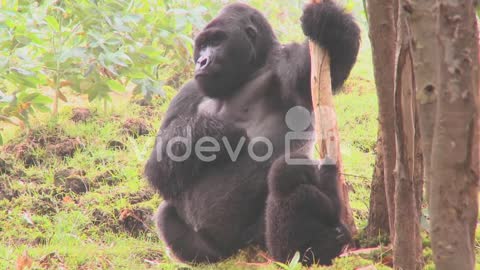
(71, 189)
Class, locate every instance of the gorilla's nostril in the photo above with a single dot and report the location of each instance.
(203, 62)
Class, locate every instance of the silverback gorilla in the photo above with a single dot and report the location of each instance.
(237, 188)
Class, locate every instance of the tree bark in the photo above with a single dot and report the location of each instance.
(422, 19)
(406, 253)
(378, 210)
(476, 151)
(382, 32)
(453, 198)
(418, 183)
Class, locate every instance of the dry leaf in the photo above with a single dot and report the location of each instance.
(388, 261)
(67, 200)
(24, 261)
(370, 267)
(28, 218)
(125, 213)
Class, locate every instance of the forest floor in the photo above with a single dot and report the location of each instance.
(72, 194)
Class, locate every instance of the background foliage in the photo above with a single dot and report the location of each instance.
(51, 49)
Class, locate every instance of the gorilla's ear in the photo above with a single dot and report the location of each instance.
(251, 33)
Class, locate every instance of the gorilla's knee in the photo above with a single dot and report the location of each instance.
(166, 220)
(186, 244)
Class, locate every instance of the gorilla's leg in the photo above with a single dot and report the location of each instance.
(303, 213)
(186, 244)
(255, 233)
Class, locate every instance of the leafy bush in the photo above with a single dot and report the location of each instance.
(50, 47)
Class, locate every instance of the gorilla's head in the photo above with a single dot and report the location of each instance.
(230, 48)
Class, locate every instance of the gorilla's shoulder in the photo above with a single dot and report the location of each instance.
(186, 100)
(190, 90)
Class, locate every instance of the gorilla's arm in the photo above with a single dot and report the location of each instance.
(171, 176)
(333, 29)
(328, 185)
(317, 203)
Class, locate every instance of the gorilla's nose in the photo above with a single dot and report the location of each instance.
(202, 63)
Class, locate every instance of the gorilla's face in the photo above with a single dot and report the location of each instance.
(228, 49)
(224, 57)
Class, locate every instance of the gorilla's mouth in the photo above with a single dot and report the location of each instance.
(201, 74)
(207, 74)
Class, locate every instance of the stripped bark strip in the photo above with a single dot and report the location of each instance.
(405, 249)
(326, 123)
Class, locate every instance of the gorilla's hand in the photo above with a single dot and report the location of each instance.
(175, 160)
(333, 29)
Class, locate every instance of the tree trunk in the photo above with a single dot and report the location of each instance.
(476, 151)
(378, 210)
(405, 248)
(382, 34)
(418, 186)
(422, 19)
(453, 198)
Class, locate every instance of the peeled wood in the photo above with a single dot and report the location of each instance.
(326, 122)
(406, 252)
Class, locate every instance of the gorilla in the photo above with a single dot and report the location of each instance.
(221, 158)
(313, 228)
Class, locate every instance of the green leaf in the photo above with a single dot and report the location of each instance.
(86, 85)
(27, 97)
(22, 71)
(152, 53)
(92, 95)
(115, 86)
(41, 107)
(136, 74)
(52, 23)
(1, 139)
(22, 80)
(295, 261)
(72, 53)
(282, 265)
(41, 99)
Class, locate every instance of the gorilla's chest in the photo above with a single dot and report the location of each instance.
(255, 107)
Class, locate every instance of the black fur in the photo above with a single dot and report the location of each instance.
(303, 213)
(245, 82)
(328, 25)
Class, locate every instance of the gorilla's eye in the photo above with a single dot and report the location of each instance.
(210, 37)
(216, 38)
